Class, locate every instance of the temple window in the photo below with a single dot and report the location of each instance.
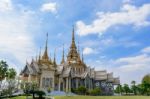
(43, 82)
(51, 80)
(47, 82)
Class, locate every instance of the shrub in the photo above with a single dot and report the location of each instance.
(81, 90)
(95, 92)
(40, 94)
(73, 90)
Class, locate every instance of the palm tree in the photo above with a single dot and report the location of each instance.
(139, 89)
(126, 88)
(133, 82)
(134, 87)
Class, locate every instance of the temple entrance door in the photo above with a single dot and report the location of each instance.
(56, 86)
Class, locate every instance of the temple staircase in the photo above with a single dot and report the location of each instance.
(60, 93)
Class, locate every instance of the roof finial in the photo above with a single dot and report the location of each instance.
(46, 40)
(82, 56)
(39, 55)
(73, 38)
(73, 45)
(63, 59)
(45, 55)
(54, 62)
(50, 58)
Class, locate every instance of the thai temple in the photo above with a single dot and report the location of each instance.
(71, 73)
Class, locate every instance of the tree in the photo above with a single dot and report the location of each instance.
(126, 88)
(3, 70)
(95, 92)
(119, 89)
(140, 89)
(26, 88)
(146, 84)
(11, 74)
(33, 89)
(133, 87)
(10, 77)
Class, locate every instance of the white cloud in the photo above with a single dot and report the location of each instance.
(5, 5)
(127, 1)
(49, 7)
(127, 68)
(16, 39)
(131, 44)
(132, 68)
(107, 41)
(146, 50)
(128, 14)
(134, 63)
(88, 50)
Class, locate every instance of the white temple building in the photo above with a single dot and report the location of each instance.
(69, 74)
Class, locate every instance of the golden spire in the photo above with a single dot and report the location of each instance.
(54, 62)
(82, 56)
(39, 55)
(45, 55)
(73, 38)
(63, 59)
(73, 54)
(73, 45)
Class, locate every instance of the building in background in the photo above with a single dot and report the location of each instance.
(69, 74)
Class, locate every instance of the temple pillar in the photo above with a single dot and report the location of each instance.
(41, 82)
(63, 85)
(69, 84)
(77, 83)
(85, 82)
(89, 83)
(59, 83)
(53, 88)
(66, 84)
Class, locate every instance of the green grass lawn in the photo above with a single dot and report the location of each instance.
(102, 97)
(93, 97)
(19, 97)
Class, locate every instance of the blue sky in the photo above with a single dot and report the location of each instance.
(114, 34)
